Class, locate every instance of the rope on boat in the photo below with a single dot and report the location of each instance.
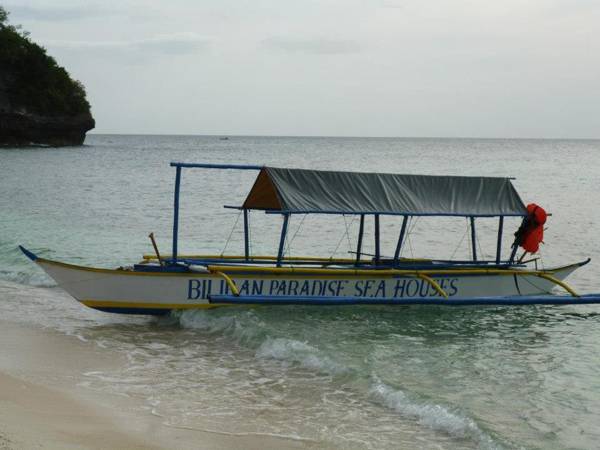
(411, 225)
(347, 233)
(459, 243)
(288, 247)
(348, 229)
(478, 241)
(535, 284)
(231, 232)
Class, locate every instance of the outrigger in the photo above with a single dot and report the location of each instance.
(159, 284)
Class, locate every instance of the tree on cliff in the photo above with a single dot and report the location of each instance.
(32, 81)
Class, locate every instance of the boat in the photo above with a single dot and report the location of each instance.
(161, 283)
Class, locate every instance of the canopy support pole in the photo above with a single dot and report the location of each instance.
(246, 236)
(499, 243)
(282, 238)
(377, 240)
(400, 240)
(176, 213)
(361, 230)
(473, 238)
(514, 248)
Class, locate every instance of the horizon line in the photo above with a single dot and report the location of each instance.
(349, 136)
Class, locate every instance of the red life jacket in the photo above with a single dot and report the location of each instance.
(533, 230)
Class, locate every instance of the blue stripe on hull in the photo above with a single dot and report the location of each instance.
(141, 311)
(513, 300)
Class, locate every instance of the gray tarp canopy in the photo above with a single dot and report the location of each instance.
(333, 192)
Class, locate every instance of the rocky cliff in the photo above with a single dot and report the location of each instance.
(39, 102)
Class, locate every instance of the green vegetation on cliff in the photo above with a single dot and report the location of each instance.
(32, 80)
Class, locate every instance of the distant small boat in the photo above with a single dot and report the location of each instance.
(162, 283)
(224, 138)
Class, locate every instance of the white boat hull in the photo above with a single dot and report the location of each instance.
(152, 292)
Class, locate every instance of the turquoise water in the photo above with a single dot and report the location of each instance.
(341, 378)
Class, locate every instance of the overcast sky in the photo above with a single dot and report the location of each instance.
(330, 67)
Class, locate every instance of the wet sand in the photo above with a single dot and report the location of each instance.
(43, 405)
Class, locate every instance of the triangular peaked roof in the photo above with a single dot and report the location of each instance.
(333, 192)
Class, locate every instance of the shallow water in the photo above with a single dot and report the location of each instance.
(364, 377)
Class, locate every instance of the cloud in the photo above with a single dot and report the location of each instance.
(181, 43)
(176, 43)
(57, 13)
(317, 46)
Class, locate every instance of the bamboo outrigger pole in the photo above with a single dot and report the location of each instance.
(160, 261)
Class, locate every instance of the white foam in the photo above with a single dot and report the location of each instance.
(31, 277)
(302, 353)
(434, 416)
(246, 327)
(243, 326)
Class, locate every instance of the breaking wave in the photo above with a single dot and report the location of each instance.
(307, 356)
(434, 416)
(249, 329)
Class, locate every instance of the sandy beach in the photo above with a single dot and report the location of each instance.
(42, 404)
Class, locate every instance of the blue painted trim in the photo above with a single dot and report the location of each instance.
(473, 238)
(499, 243)
(514, 246)
(317, 300)
(138, 311)
(286, 218)
(400, 240)
(176, 212)
(377, 240)
(383, 266)
(32, 256)
(170, 268)
(361, 231)
(217, 166)
(385, 213)
(246, 236)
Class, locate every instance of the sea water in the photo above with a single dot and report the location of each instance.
(337, 377)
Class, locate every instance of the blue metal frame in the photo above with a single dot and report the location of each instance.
(217, 166)
(246, 236)
(473, 238)
(515, 247)
(176, 213)
(284, 227)
(458, 301)
(499, 243)
(361, 231)
(377, 240)
(385, 213)
(179, 166)
(400, 240)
